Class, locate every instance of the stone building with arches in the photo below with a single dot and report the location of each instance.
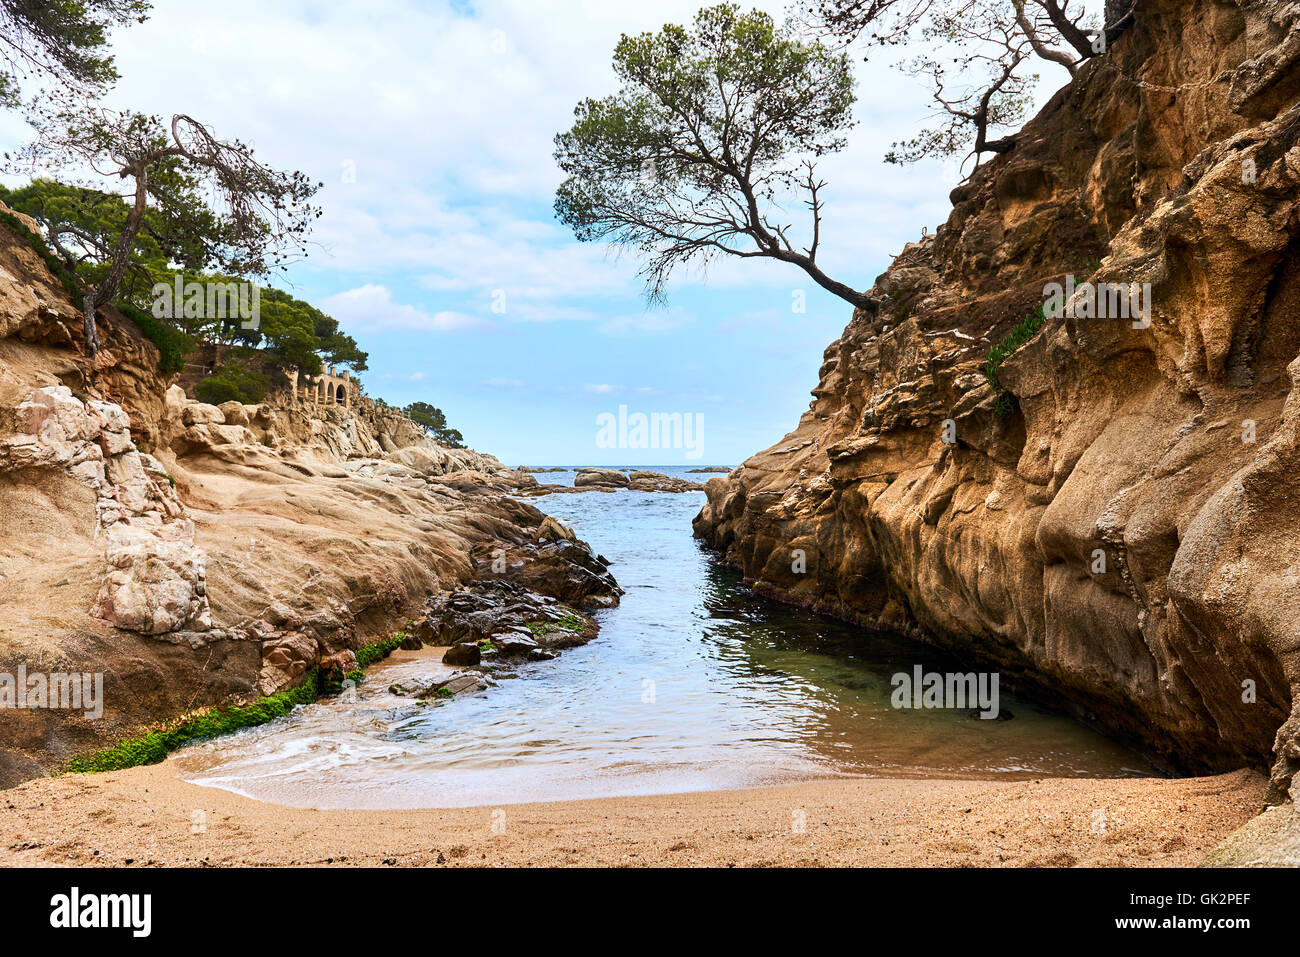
(328, 387)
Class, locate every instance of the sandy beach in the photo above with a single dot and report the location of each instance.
(148, 816)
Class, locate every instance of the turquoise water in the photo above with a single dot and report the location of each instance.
(693, 684)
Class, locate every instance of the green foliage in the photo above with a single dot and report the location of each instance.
(712, 129)
(300, 335)
(434, 423)
(235, 381)
(156, 745)
(198, 203)
(100, 217)
(292, 332)
(1017, 337)
(173, 344)
(61, 43)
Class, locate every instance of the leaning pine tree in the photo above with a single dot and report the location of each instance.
(713, 132)
(196, 202)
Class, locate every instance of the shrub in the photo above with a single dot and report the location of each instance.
(173, 344)
(1017, 337)
(234, 381)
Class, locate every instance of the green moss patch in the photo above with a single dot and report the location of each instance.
(568, 629)
(156, 745)
(367, 655)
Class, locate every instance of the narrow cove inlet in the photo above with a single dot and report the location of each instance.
(694, 684)
(697, 435)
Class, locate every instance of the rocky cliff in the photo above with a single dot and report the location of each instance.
(196, 555)
(1114, 518)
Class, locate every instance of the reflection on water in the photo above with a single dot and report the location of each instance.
(694, 684)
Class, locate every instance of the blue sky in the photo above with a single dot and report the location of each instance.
(430, 124)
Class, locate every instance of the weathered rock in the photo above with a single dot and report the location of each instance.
(286, 659)
(1112, 531)
(412, 687)
(553, 531)
(659, 482)
(461, 683)
(514, 619)
(594, 476)
(566, 570)
(516, 643)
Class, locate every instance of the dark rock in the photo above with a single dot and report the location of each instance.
(514, 643)
(466, 653)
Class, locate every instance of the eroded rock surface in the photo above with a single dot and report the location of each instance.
(199, 555)
(1122, 531)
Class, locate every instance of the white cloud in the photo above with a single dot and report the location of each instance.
(651, 321)
(370, 308)
(444, 115)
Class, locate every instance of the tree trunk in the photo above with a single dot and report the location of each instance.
(91, 333)
(847, 293)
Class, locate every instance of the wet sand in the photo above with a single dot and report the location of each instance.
(148, 816)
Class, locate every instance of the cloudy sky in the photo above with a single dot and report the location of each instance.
(431, 125)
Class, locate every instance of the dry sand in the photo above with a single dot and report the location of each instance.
(149, 816)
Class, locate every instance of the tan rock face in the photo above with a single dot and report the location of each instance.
(156, 574)
(1127, 537)
(198, 555)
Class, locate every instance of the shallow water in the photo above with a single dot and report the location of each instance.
(693, 684)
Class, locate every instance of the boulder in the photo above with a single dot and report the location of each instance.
(594, 476)
(465, 653)
(234, 413)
